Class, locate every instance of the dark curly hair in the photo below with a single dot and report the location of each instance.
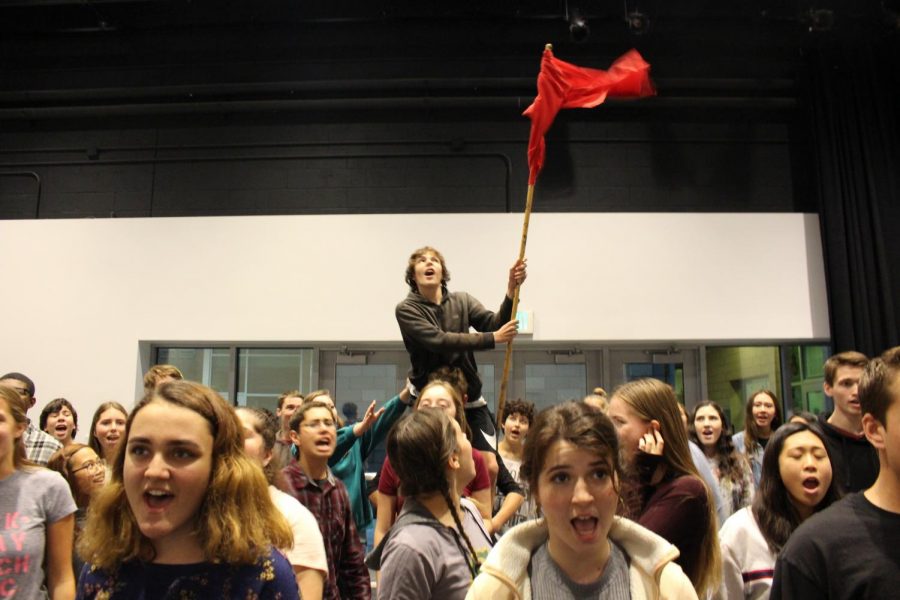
(526, 409)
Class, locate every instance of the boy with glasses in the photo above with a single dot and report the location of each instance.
(314, 433)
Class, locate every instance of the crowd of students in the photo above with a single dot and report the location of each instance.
(193, 498)
(621, 495)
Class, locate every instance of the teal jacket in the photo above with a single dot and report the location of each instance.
(348, 463)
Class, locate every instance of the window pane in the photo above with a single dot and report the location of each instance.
(208, 366)
(486, 372)
(547, 384)
(734, 372)
(356, 387)
(807, 376)
(814, 358)
(266, 373)
(219, 371)
(671, 373)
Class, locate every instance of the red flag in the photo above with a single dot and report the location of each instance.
(564, 85)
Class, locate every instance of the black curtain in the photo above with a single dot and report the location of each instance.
(852, 97)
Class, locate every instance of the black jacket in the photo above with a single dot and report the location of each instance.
(854, 461)
(437, 336)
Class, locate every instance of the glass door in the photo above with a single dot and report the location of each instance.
(677, 367)
(355, 378)
(550, 377)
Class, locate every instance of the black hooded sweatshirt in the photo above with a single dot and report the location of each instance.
(854, 461)
(438, 335)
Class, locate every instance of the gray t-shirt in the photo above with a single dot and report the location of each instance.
(421, 561)
(550, 582)
(528, 509)
(29, 501)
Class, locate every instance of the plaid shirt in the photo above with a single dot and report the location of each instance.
(330, 504)
(39, 446)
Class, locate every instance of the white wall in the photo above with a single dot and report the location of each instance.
(81, 294)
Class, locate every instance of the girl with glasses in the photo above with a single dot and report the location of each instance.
(86, 473)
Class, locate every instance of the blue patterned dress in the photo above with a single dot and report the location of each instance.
(270, 578)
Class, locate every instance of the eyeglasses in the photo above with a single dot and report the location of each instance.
(93, 465)
(318, 424)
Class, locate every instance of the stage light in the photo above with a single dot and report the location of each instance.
(579, 30)
(820, 19)
(638, 23)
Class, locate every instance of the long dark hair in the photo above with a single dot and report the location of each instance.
(772, 507)
(730, 465)
(751, 431)
(419, 447)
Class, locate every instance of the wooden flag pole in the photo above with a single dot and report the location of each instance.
(515, 306)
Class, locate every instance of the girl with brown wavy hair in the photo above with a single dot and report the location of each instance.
(579, 548)
(185, 511)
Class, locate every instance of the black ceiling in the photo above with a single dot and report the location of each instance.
(69, 58)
